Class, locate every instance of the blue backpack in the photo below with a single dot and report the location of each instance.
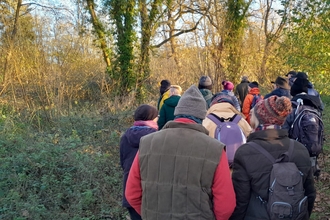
(229, 133)
(255, 100)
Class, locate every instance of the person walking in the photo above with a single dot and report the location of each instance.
(282, 88)
(251, 99)
(228, 88)
(180, 172)
(242, 90)
(166, 113)
(205, 86)
(145, 122)
(223, 107)
(252, 169)
(310, 87)
(164, 92)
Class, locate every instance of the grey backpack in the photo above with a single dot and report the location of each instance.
(286, 196)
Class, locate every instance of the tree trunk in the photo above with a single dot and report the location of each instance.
(99, 29)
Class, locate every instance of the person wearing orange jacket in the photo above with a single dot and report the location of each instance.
(249, 101)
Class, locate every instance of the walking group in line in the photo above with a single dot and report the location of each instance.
(234, 154)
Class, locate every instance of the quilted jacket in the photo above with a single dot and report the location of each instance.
(251, 172)
(181, 173)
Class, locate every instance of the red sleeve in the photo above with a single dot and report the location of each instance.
(133, 190)
(224, 200)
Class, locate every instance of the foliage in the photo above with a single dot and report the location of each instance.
(123, 74)
(321, 207)
(69, 170)
(307, 47)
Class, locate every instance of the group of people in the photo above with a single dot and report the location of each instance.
(174, 168)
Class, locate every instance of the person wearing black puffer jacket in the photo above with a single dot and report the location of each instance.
(299, 90)
(251, 168)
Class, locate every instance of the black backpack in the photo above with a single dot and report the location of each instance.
(286, 196)
(308, 128)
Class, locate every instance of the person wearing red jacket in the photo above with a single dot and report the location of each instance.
(180, 172)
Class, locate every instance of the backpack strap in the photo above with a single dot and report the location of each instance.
(288, 153)
(215, 119)
(262, 150)
(236, 118)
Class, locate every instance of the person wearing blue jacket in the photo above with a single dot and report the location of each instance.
(282, 88)
(145, 122)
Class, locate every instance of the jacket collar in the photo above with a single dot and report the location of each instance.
(268, 135)
(196, 127)
(223, 107)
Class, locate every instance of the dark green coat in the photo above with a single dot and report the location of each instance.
(208, 95)
(167, 111)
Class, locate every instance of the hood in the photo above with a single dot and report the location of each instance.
(205, 92)
(134, 134)
(222, 107)
(310, 85)
(281, 92)
(254, 91)
(309, 100)
(172, 100)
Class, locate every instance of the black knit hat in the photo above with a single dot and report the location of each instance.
(301, 75)
(145, 113)
(164, 86)
(254, 84)
(292, 73)
(300, 85)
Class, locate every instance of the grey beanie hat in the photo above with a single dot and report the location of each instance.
(205, 81)
(191, 103)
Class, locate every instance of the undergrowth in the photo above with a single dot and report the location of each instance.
(67, 167)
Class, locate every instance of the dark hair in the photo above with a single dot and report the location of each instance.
(164, 86)
(254, 84)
